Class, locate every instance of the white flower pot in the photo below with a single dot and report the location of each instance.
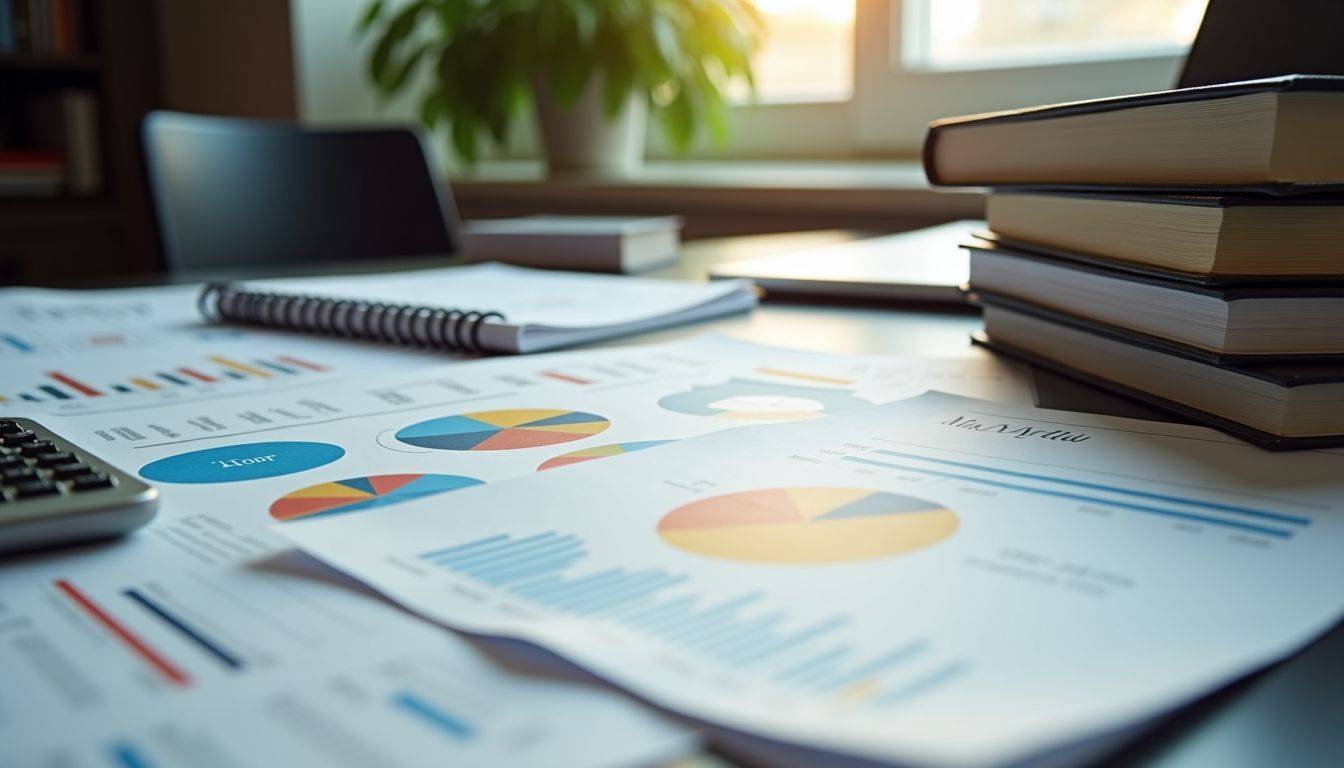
(581, 141)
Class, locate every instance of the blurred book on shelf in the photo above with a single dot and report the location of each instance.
(43, 27)
(66, 122)
(31, 173)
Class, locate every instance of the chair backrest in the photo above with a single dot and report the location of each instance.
(231, 192)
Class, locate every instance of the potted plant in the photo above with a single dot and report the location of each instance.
(591, 70)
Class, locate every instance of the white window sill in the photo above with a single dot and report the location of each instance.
(727, 197)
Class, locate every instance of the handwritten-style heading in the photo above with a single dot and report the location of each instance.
(1016, 430)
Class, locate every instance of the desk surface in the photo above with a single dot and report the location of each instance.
(1289, 715)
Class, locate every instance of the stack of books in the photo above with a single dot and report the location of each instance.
(1184, 248)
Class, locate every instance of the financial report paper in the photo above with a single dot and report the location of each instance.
(207, 623)
(80, 351)
(939, 580)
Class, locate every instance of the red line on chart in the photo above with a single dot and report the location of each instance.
(197, 375)
(303, 363)
(566, 377)
(160, 664)
(78, 386)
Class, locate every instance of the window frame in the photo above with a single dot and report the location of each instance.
(891, 104)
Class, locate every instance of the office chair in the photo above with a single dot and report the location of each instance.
(242, 193)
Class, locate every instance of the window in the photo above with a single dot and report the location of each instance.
(808, 52)
(978, 34)
(839, 78)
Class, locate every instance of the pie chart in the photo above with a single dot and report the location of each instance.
(806, 525)
(598, 452)
(503, 430)
(360, 493)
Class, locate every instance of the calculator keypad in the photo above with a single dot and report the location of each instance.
(32, 468)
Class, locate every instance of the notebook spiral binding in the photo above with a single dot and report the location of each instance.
(430, 327)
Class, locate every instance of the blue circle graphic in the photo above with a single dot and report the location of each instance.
(235, 463)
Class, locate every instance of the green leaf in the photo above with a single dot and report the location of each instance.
(396, 75)
(395, 34)
(432, 108)
(464, 140)
(370, 15)
(679, 120)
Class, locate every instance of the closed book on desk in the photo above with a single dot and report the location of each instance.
(478, 308)
(1239, 322)
(1279, 407)
(589, 243)
(1223, 237)
(1277, 135)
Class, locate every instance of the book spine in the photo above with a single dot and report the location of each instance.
(23, 25)
(82, 158)
(39, 19)
(59, 20)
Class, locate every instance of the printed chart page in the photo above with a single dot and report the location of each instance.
(84, 351)
(940, 580)
(210, 610)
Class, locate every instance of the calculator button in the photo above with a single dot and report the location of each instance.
(22, 437)
(38, 448)
(9, 427)
(91, 481)
(67, 471)
(18, 474)
(53, 459)
(30, 488)
(10, 462)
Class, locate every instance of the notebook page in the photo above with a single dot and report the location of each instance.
(524, 296)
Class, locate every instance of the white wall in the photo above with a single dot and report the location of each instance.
(334, 89)
(329, 66)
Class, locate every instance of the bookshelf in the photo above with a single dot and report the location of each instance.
(74, 205)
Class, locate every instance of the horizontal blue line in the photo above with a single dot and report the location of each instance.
(1079, 497)
(54, 392)
(938, 677)
(1113, 489)
(277, 367)
(17, 343)
(128, 756)
(209, 646)
(457, 728)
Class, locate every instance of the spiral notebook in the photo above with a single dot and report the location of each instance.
(479, 308)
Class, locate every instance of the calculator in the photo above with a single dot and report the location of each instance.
(53, 492)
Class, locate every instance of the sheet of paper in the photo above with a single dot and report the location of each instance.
(86, 351)
(142, 658)
(524, 296)
(939, 580)
(227, 619)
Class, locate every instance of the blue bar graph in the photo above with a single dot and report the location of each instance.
(1278, 533)
(741, 631)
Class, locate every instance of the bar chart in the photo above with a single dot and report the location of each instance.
(742, 632)
(213, 371)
